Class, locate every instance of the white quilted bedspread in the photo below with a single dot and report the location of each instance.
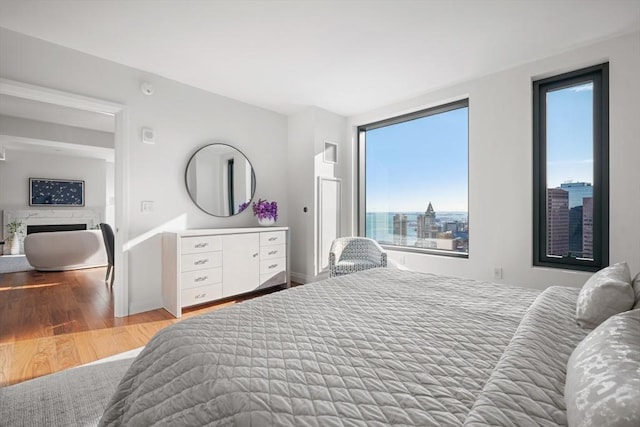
(380, 347)
(527, 386)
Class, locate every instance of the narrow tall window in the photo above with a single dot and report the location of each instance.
(571, 170)
(413, 189)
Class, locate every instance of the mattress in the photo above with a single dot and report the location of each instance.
(376, 348)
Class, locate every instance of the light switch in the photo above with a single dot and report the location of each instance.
(148, 136)
(146, 206)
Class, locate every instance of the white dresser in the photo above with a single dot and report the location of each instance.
(203, 265)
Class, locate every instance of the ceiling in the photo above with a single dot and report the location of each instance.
(345, 56)
(50, 113)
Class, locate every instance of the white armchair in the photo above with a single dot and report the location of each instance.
(350, 254)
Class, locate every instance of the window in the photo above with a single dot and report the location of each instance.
(571, 170)
(413, 188)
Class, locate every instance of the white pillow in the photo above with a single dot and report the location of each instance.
(606, 293)
(636, 289)
(603, 375)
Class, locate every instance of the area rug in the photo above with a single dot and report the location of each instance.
(75, 397)
(14, 263)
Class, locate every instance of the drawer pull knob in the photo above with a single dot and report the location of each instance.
(273, 252)
(271, 239)
(273, 266)
(201, 245)
(255, 255)
(201, 278)
(201, 261)
(199, 296)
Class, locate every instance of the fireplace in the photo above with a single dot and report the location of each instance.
(54, 227)
(87, 218)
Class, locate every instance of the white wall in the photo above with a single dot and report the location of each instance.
(500, 165)
(308, 131)
(22, 165)
(35, 129)
(301, 194)
(110, 212)
(184, 119)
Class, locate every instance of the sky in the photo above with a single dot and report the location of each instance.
(413, 163)
(425, 160)
(570, 135)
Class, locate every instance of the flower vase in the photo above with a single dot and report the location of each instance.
(265, 222)
(14, 249)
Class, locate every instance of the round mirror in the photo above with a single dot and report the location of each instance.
(220, 180)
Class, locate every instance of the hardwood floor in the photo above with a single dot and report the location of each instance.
(57, 320)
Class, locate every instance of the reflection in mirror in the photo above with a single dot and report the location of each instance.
(220, 180)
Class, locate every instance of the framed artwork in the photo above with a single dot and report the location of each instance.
(55, 192)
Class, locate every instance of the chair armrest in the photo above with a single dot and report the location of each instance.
(332, 259)
(335, 252)
(376, 254)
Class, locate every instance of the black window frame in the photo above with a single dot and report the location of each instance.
(599, 75)
(361, 153)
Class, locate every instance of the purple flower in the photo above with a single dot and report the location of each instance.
(243, 206)
(264, 209)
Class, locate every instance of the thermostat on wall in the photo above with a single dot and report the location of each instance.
(148, 136)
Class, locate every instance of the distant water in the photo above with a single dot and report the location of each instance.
(379, 225)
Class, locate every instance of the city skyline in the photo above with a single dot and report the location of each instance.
(427, 229)
(570, 220)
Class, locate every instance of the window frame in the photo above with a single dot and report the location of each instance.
(599, 75)
(361, 165)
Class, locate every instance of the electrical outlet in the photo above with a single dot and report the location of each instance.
(497, 272)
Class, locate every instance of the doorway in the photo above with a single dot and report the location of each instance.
(120, 174)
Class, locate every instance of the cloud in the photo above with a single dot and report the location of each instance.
(570, 162)
(582, 88)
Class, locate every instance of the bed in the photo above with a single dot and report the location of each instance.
(379, 347)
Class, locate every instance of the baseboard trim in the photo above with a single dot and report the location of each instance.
(302, 278)
(135, 308)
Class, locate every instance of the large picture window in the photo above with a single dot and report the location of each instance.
(571, 170)
(413, 186)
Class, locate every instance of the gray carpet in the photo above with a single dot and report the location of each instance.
(75, 397)
(14, 263)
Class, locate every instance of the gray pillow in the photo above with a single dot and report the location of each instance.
(636, 290)
(603, 375)
(606, 293)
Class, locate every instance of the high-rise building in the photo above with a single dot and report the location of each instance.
(577, 191)
(557, 222)
(400, 229)
(575, 230)
(451, 226)
(587, 227)
(426, 224)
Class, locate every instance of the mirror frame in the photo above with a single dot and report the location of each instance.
(254, 181)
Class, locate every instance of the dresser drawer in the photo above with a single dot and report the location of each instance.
(275, 251)
(273, 266)
(200, 244)
(202, 261)
(273, 238)
(201, 294)
(194, 279)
